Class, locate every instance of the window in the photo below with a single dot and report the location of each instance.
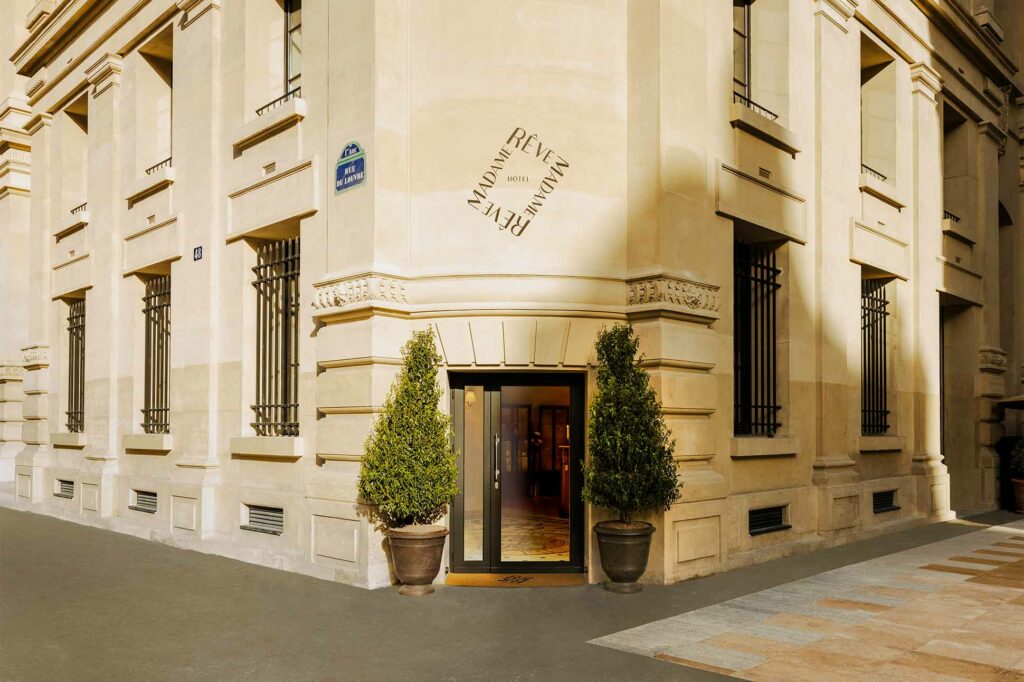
(76, 366)
(156, 306)
(767, 520)
(277, 341)
(874, 311)
(741, 48)
(74, 150)
(878, 111)
(755, 344)
(293, 44)
(154, 83)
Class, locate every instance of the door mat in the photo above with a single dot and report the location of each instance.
(516, 579)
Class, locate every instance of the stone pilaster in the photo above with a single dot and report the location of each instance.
(932, 482)
(837, 281)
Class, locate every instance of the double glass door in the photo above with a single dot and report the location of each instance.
(518, 439)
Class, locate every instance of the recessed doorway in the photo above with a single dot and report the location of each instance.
(518, 439)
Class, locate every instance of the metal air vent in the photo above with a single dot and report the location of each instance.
(883, 501)
(145, 501)
(65, 489)
(264, 519)
(766, 520)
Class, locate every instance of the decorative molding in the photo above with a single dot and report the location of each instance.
(837, 11)
(925, 80)
(992, 360)
(992, 131)
(35, 357)
(38, 14)
(193, 9)
(11, 372)
(34, 86)
(38, 122)
(104, 73)
(362, 289)
(675, 291)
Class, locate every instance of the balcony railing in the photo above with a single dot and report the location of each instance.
(166, 163)
(864, 168)
(737, 98)
(949, 215)
(81, 208)
(270, 106)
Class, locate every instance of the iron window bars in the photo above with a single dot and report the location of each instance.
(874, 310)
(156, 306)
(755, 347)
(277, 343)
(76, 366)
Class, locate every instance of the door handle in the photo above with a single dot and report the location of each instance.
(497, 461)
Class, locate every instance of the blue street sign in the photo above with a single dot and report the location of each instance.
(350, 169)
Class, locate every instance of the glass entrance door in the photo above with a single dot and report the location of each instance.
(519, 444)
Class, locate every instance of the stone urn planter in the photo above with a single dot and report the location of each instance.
(416, 553)
(624, 548)
(1018, 493)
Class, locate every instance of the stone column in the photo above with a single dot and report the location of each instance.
(932, 482)
(102, 343)
(989, 382)
(837, 281)
(35, 429)
(15, 167)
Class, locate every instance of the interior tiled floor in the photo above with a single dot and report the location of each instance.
(951, 610)
(531, 530)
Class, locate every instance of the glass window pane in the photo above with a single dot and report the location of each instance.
(294, 54)
(473, 474)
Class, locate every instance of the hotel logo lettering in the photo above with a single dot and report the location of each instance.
(551, 166)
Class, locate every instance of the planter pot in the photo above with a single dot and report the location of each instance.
(1018, 493)
(416, 553)
(624, 551)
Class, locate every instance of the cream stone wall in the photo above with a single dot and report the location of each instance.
(534, 171)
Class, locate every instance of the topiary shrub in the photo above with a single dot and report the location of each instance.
(409, 474)
(631, 468)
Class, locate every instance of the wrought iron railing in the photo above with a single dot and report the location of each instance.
(81, 208)
(949, 215)
(872, 172)
(754, 106)
(874, 310)
(166, 163)
(76, 366)
(755, 348)
(277, 338)
(156, 306)
(269, 106)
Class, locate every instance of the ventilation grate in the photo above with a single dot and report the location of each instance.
(883, 501)
(145, 501)
(265, 519)
(767, 520)
(65, 489)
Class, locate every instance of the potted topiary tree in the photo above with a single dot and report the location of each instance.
(409, 474)
(630, 470)
(1017, 474)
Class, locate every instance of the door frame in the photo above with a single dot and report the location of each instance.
(492, 383)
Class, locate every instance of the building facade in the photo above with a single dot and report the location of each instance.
(221, 220)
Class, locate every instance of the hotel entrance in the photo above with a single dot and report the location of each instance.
(519, 442)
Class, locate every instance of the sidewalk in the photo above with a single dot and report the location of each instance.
(81, 603)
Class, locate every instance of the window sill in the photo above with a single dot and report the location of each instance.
(141, 509)
(68, 440)
(255, 131)
(759, 446)
(883, 190)
(757, 125)
(71, 223)
(150, 184)
(148, 442)
(959, 230)
(881, 444)
(267, 447)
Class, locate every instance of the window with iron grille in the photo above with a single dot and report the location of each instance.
(766, 520)
(76, 366)
(156, 306)
(874, 311)
(883, 501)
(277, 341)
(741, 47)
(293, 44)
(755, 344)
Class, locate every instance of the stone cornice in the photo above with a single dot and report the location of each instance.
(925, 80)
(370, 288)
(992, 360)
(839, 12)
(36, 357)
(992, 131)
(11, 372)
(38, 122)
(193, 9)
(104, 73)
(673, 295)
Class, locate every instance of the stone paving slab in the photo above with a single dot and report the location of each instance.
(903, 613)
